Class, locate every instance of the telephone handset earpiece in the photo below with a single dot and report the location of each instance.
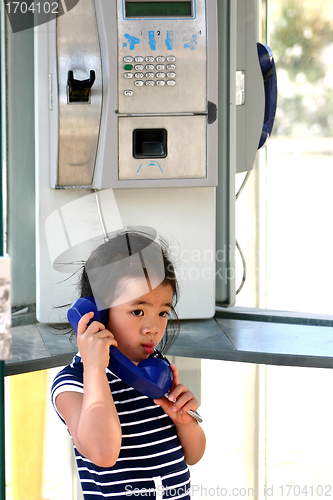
(152, 376)
(82, 306)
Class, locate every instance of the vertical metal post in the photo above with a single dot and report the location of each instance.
(225, 202)
(2, 363)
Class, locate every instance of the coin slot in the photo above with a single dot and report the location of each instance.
(150, 143)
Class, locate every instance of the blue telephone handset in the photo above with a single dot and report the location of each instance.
(152, 376)
(267, 66)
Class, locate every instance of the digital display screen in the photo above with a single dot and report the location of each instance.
(158, 9)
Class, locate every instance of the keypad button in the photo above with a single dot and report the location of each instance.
(163, 78)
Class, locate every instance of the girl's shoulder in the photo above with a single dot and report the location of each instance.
(69, 379)
(72, 374)
(71, 371)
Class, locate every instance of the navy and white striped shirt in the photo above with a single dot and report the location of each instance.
(151, 461)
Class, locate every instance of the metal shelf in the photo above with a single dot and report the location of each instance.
(38, 346)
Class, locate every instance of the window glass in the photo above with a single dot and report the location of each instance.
(288, 198)
(300, 158)
(40, 460)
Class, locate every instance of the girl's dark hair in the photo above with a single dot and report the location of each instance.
(131, 254)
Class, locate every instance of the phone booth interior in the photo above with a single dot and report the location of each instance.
(128, 99)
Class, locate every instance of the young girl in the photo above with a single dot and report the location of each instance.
(125, 443)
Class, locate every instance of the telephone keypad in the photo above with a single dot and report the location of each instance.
(162, 78)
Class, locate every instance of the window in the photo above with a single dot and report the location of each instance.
(284, 214)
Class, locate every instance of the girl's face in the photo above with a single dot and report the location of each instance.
(139, 325)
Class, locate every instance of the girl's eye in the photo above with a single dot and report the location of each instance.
(164, 314)
(138, 312)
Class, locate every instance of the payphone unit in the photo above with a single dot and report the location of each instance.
(134, 94)
(126, 135)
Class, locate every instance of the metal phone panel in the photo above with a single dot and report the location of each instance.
(107, 154)
(162, 63)
(187, 143)
(200, 89)
(78, 51)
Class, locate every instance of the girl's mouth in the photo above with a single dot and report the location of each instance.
(149, 347)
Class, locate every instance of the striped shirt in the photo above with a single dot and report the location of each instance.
(151, 462)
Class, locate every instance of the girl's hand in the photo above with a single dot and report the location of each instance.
(179, 401)
(94, 342)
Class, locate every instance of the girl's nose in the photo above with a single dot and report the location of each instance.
(150, 326)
